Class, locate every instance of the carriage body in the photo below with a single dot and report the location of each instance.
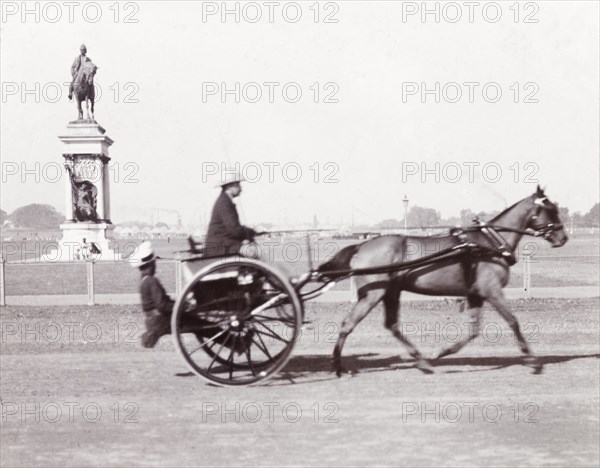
(237, 319)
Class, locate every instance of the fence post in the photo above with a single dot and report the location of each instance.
(90, 283)
(2, 284)
(526, 275)
(178, 279)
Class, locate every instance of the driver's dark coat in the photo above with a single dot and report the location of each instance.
(225, 233)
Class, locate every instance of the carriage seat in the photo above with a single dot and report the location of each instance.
(195, 247)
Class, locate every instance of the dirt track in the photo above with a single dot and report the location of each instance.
(481, 407)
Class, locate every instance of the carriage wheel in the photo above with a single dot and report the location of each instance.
(236, 322)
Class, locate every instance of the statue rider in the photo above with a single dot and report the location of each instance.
(77, 63)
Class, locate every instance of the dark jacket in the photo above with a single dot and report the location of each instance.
(154, 296)
(225, 233)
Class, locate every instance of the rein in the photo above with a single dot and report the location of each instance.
(544, 231)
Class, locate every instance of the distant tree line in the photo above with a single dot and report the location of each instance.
(37, 216)
(419, 216)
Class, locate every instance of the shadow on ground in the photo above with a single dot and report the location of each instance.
(306, 368)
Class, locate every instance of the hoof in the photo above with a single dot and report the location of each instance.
(340, 371)
(535, 364)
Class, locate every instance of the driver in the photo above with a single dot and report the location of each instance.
(226, 235)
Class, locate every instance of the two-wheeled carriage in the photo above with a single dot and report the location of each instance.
(237, 319)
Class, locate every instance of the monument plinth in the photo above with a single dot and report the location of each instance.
(88, 228)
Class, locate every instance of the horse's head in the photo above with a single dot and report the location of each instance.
(91, 72)
(545, 221)
(86, 73)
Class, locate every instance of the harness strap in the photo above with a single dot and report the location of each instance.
(499, 241)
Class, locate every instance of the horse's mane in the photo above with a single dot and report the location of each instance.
(84, 69)
(506, 210)
(539, 194)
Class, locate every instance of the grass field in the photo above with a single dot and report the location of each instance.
(575, 264)
(77, 389)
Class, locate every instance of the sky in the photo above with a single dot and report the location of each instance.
(334, 114)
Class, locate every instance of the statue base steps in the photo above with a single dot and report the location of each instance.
(85, 242)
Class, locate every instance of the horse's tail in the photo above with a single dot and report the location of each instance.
(341, 260)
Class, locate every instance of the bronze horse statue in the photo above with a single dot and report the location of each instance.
(478, 272)
(83, 89)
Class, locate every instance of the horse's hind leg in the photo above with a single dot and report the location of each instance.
(499, 302)
(391, 302)
(358, 312)
(474, 307)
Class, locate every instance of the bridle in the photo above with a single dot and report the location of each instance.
(543, 230)
(536, 229)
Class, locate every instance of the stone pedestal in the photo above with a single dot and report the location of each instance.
(85, 153)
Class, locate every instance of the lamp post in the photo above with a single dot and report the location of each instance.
(571, 230)
(405, 202)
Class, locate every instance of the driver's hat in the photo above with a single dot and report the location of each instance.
(143, 255)
(229, 176)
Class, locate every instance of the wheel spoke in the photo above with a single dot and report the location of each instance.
(191, 328)
(217, 353)
(262, 347)
(266, 318)
(208, 341)
(230, 358)
(248, 351)
(271, 333)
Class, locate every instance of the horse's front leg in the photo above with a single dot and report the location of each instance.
(79, 109)
(474, 308)
(501, 305)
(360, 310)
(391, 303)
(92, 106)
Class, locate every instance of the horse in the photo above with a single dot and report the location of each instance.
(83, 89)
(478, 269)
